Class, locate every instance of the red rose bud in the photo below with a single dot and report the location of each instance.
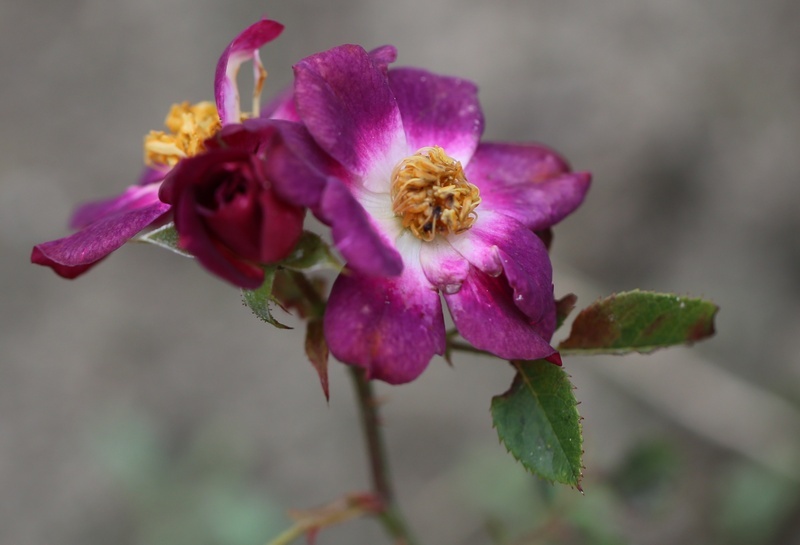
(228, 215)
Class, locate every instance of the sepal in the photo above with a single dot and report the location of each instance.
(165, 237)
(311, 254)
(261, 299)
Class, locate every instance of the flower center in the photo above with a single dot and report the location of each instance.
(432, 196)
(189, 125)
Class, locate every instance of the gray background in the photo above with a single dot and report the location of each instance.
(687, 113)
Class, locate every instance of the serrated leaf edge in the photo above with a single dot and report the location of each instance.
(622, 351)
(579, 478)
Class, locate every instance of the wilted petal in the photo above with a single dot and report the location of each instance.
(527, 182)
(391, 327)
(438, 110)
(243, 48)
(73, 255)
(485, 315)
(343, 97)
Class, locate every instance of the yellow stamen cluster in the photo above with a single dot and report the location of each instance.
(189, 126)
(432, 196)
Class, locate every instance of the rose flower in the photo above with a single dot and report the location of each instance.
(227, 212)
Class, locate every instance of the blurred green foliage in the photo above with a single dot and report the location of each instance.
(645, 491)
(199, 493)
(200, 490)
(754, 504)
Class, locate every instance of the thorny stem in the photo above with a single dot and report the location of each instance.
(392, 519)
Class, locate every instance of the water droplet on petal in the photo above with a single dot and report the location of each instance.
(451, 289)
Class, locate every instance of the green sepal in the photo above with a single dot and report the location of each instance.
(311, 253)
(166, 237)
(259, 300)
(639, 321)
(537, 420)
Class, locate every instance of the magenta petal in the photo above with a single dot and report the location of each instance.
(73, 255)
(497, 240)
(305, 176)
(153, 174)
(443, 266)
(243, 48)
(391, 327)
(384, 56)
(527, 268)
(343, 97)
(527, 182)
(438, 111)
(485, 315)
(281, 107)
(297, 167)
(363, 246)
(133, 198)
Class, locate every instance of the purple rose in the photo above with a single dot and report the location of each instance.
(425, 211)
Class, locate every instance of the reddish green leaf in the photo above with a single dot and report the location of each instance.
(537, 420)
(639, 321)
(317, 352)
(564, 307)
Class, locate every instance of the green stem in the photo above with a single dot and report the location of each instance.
(392, 519)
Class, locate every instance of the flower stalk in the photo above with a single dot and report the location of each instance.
(389, 514)
(391, 517)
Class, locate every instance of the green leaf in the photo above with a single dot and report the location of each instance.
(537, 420)
(259, 300)
(311, 253)
(639, 321)
(166, 237)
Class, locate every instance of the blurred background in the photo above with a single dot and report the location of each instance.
(143, 405)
